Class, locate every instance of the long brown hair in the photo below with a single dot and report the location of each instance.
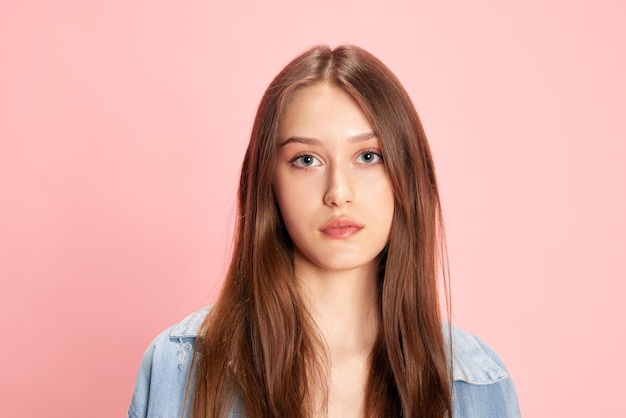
(258, 342)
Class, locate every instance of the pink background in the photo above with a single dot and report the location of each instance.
(122, 130)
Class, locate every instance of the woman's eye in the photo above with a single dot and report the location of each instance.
(305, 161)
(369, 157)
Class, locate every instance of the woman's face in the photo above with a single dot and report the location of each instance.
(331, 183)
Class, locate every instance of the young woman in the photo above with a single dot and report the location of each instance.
(330, 305)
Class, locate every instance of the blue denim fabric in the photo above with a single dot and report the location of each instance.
(482, 387)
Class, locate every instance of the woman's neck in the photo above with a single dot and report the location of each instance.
(343, 304)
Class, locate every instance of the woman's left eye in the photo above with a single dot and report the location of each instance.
(369, 157)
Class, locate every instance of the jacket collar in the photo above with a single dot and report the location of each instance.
(190, 326)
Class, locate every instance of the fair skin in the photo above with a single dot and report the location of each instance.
(337, 202)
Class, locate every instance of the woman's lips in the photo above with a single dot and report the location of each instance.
(341, 228)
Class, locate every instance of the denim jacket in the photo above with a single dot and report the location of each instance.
(482, 387)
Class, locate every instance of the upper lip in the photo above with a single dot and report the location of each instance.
(340, 222)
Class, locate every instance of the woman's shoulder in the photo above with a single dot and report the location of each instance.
(164, 371)
(482, 384)
(174, 343)
(473, 361)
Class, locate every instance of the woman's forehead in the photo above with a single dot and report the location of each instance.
(323, 110)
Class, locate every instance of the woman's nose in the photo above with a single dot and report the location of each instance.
(339, 190)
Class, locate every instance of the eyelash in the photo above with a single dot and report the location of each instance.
(373, 152)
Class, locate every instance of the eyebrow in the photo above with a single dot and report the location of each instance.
(316, 142)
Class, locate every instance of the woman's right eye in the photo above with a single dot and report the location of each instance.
(305, 161)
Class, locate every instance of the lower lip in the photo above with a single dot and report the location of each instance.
(341, 232)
